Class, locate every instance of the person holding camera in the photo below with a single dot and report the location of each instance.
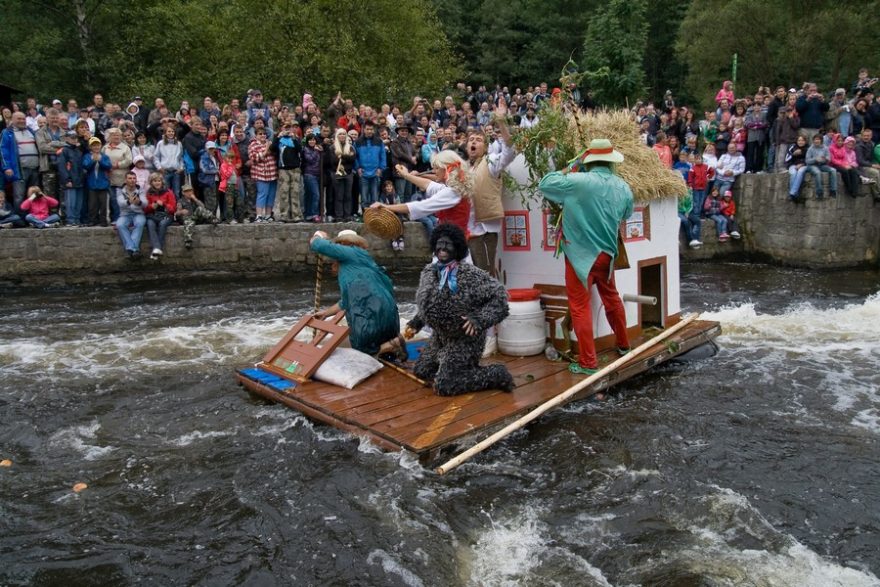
(130, 224)
(37, 206)
(160, 208)
(811, 107)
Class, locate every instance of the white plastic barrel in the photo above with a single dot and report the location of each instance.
(524, 332)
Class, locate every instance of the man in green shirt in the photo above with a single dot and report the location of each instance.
(594, 204)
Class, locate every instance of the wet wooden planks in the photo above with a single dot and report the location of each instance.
(398, 413)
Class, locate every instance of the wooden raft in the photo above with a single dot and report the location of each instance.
(396, 413)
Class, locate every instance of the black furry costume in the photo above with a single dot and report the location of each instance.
(452, 358)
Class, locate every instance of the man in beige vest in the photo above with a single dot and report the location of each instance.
(487, 212)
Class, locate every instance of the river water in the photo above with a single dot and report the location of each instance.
(758, 466)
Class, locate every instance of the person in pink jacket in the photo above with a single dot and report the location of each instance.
(725, 93)
(844, 160)
(37, 206)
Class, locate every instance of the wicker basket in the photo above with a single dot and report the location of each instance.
(383, 223)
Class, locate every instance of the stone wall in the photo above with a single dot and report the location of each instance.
(90, 254)
(828, 233)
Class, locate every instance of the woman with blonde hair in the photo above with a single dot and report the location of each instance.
(340, 162)
(448, 198)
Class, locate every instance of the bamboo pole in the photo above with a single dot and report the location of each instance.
(559, 399)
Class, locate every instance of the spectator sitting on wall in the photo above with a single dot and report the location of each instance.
(8, 217)
(730, 166)
(38, 207)
(818, 159)
(868, 168)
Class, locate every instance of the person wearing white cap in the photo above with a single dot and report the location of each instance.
(366, 294)
(593, 206)
(209, 171)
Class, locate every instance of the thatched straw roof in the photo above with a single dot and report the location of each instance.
(641, 168)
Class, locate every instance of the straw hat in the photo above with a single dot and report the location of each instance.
(383, 223)
(350, 237)
(601, 150)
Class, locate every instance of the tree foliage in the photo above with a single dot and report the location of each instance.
(782, 42)
(373, 51)
(614, 51)
(517, 43)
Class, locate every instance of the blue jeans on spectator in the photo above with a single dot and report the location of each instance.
(687, 225)
(817, 171)
(369, 191)
(724, 185)
(131, 237)
(795, 178)
(266, 193)
(157, 231)
(404, 190)
(37, 223)
(114, 205)
(13, 219)
(73, 205)
(429, 222)
(311, 196)
(720, 223)
(30, 176)
(172, 180)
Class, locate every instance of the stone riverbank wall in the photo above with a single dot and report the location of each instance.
(73, 255)
(828, 233)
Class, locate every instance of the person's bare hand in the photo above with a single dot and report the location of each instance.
(377, 205)
(469, 327)
(401, 170)
(501, 108)
(318, 234)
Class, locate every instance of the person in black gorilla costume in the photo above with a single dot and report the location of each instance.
(459, 302)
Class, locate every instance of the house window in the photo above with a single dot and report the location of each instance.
(516, 231)
(551, 229)
(638, 226)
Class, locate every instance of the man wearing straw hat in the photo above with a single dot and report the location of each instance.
(593, 206)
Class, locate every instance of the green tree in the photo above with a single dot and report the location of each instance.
(614, 50)
(782, 42)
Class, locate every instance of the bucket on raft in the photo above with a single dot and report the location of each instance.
(524, 332)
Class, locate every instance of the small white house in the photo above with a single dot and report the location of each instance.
(526, 259)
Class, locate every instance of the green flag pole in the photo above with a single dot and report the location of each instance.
(734, 69)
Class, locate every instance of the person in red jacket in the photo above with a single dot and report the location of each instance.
(37, 206)
(160, 208)
(699, 178)
(728, 210)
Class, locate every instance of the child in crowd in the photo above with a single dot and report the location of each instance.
(208, 172)
(226, 190)
(709, 127)
(8, 217)
(97, 166)
(388, 196)
(141, 173)
(682, 166)
(710, 158)
(38, 206)
(712, 210)
(699, 178)
(797, 167)
(191, 211)
(686, 217)
(739, 135)
(663, 151)
(728, 210)
(70, 178)
(818, 159)
(160, 208)
(722, 138)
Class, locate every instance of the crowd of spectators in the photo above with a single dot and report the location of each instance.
(793, 131)
(257, 160)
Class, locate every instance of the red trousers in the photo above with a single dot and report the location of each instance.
(582, 314)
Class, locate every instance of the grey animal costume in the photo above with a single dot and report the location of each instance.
(452, 358)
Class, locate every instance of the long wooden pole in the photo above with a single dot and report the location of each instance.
(559, 399)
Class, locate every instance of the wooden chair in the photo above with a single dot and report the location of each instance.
(297, 361)
(557, 314)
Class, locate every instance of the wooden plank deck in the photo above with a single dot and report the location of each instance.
(397, 413)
